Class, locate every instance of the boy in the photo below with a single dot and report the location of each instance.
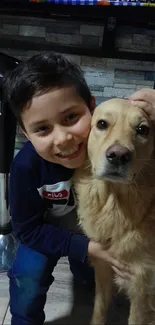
(53, 104)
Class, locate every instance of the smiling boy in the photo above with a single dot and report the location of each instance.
(53, 104)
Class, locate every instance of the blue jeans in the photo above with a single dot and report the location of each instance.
(30, 278)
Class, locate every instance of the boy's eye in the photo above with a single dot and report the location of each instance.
(71, 117)
(41, 129)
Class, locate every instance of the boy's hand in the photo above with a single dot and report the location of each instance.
(145, 99)
(96, 250)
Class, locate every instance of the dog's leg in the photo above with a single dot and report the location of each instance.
(103, 279)
(136, 311)
(142, 310)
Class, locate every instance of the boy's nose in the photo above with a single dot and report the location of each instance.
(62, 137)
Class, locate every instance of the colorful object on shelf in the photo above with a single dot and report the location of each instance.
(134, 3)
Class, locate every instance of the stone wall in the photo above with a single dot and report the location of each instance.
(106, 77)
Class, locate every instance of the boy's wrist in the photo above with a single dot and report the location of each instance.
(92, 248)
(78, 247)
(96, 249)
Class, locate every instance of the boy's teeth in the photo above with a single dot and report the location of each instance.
(69, 152)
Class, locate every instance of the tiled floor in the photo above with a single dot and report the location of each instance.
(64, 307)
(4, 297)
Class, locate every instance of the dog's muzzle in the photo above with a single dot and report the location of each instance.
(118, 155)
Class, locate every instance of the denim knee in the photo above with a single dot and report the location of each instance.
(30, 278)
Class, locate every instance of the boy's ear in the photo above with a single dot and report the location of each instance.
(92, 104)
(24, 132)
(26, 135)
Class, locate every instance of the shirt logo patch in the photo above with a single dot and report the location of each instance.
(55, 195)
(58, 197)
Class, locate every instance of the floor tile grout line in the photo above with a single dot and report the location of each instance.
(7, 308)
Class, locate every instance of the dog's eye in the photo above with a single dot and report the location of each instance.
(102, 125)
(143, 130)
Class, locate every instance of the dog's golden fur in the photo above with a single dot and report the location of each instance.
(120, 209)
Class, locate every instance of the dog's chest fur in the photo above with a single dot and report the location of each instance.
(121, 216)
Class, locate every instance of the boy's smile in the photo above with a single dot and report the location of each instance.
(58, 123)
(71, 153)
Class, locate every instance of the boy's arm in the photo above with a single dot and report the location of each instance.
(27, 213)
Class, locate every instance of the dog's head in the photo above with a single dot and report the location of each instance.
(121, 141)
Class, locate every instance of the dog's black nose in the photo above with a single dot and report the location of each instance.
(118, 155)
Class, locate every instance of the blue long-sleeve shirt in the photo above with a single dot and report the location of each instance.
(37, 185)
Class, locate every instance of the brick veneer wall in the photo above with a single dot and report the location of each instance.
(106, 77)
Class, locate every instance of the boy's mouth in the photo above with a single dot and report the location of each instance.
(71, 153)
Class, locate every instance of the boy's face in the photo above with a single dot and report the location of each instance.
(58, 123)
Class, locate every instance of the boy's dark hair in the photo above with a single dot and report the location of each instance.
(37, 76)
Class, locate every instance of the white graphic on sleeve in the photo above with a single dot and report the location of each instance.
(59, 197)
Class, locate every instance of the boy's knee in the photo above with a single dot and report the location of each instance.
(30, 272)
(30, 278)
(27, 262)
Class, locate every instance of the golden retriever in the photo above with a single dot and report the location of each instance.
(116, 204)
